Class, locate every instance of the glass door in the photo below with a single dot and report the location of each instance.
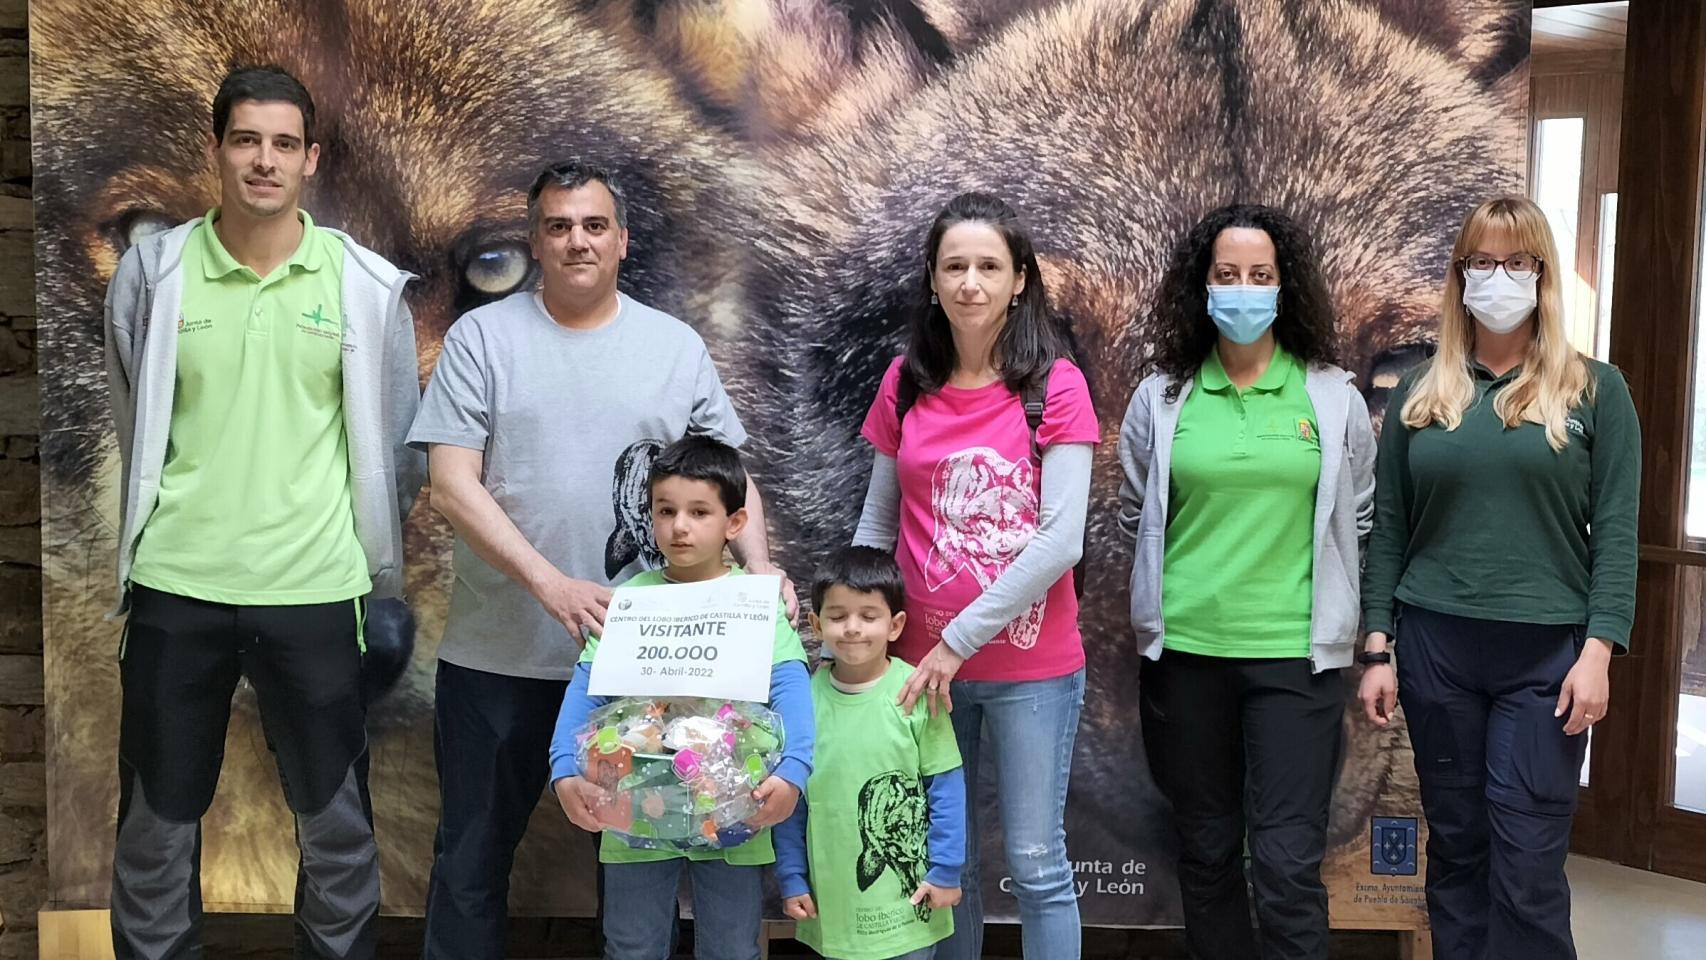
(1645, 803)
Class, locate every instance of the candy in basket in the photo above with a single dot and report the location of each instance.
(679, 771)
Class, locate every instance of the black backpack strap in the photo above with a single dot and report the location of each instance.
(1035, 398)
(905, 394)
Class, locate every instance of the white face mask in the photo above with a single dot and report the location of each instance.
(1500, 303)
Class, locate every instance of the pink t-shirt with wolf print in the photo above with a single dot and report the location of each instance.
(970, 490)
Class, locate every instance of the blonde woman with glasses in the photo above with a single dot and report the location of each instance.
(1501, 577)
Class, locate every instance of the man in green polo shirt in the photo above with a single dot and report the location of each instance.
(263, 377)
(256, 351)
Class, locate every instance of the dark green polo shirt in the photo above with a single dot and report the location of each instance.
(1490, 522)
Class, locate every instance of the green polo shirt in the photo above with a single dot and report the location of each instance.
(1238, 566)
(1489, 522)
(254, 501)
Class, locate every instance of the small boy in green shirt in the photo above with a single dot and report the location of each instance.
(698, 492)
(870, 863)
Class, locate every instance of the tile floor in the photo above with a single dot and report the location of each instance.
(1620, 913)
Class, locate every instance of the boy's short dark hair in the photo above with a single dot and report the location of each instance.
(707, 459)
(862, 570)
(268, 84)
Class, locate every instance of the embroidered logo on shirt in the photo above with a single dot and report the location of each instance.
(320, 324)
(1576, 427)
(186, 325)
(1276, 426)
(985, 508)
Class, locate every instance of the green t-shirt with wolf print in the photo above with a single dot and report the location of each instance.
(868, 822)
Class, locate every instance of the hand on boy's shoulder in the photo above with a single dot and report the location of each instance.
(790, 596)
(579, 605)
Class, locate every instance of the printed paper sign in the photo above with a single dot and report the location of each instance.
(711, 639)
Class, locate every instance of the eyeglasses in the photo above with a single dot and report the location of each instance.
(1518, 266)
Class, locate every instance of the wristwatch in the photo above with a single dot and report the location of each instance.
(1373, 656)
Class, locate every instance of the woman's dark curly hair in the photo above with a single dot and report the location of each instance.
(1182, 332)
(1033, 337)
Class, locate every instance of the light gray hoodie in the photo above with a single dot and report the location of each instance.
(381, 394)
(1344, 507)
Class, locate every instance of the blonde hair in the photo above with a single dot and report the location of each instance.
(1554, 376)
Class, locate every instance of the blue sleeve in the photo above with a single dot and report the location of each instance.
(791, 697)
(792, 867)
(571, 717)
(947, 839)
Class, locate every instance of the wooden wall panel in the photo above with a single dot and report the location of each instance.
(1627, 815)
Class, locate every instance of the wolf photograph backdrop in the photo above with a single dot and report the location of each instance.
(782, 162)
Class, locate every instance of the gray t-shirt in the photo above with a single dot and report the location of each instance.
(569, 422)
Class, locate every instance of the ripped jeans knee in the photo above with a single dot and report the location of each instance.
(1040, 871)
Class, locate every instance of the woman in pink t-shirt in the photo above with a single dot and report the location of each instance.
(986, 518)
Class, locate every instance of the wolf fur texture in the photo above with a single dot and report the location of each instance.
(1112, 126)
(783, 160)
(433, 121)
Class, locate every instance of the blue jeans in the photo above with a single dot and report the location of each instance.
(1032, 725)
(640, 909)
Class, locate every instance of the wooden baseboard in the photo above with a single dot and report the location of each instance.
(1413, 944)
(74, 935)
(87, 935)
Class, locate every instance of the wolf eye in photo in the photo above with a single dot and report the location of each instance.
(1389, 367)
(135, 225)
(497, 269)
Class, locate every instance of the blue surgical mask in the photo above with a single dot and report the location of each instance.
(1243, 313)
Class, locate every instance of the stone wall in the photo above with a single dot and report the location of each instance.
(23, 852)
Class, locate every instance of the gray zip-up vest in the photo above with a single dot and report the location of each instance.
(381, 394)
(1344, 508)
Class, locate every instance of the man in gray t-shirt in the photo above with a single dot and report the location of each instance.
(541, 421)
(567, 422)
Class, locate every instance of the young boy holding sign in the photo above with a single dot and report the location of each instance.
(698, 504)
(870, 864)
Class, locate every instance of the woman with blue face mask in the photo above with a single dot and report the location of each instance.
(1249, 485)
